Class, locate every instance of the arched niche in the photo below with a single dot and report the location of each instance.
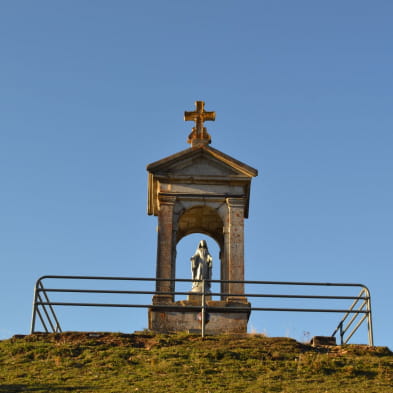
(185, 249)
(204, 220)
(201, 219)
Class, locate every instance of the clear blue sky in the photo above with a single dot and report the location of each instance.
(93, 91)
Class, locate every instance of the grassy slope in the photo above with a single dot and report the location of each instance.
(82, 362)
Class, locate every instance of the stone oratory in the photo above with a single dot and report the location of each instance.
(200, 190)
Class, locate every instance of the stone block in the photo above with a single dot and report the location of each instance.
(323, 340)
(219, 319)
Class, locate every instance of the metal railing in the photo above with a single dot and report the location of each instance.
(353, 318)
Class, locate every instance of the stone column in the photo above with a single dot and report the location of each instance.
(224, 248)
(225, 258)
(165, 249)
(234, 238)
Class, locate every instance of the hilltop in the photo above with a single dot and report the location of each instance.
(144, 362)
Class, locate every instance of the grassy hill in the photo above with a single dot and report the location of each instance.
(108, 362)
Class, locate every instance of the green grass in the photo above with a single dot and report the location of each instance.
(114, 363)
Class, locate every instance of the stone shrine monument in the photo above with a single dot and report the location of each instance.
(200, 190)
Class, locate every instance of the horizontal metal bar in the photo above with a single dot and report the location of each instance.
(200, 294)
(180, 307)
(114, 291)
(270, 295)
(306, 310)
(120, 305)
(111, 278)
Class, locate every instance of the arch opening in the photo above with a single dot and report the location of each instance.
(185, 250)
(201, 219)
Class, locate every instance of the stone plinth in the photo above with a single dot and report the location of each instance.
(323, 340)
(220, 318)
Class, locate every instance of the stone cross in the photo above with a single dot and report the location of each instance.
(199, 135)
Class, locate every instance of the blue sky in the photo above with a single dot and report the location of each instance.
(93, 91)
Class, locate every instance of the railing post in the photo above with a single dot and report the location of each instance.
(34, 312)
(203, 309)
(369, 320)
(341, 333)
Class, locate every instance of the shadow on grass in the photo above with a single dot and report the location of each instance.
(17, 388)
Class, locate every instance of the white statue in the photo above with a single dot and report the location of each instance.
(201, 267)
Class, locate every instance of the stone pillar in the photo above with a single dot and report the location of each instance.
(165, 249)
(234, 239)
(225, 258)
(224, 248)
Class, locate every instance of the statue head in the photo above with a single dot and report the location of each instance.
(202, 244)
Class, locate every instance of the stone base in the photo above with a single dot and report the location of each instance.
(323, 340)
(219, 319)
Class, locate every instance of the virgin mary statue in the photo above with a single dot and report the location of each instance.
(201, 267)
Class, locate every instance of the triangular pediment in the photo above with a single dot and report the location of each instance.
(201, 166)
(198, 171)
(204, 161)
